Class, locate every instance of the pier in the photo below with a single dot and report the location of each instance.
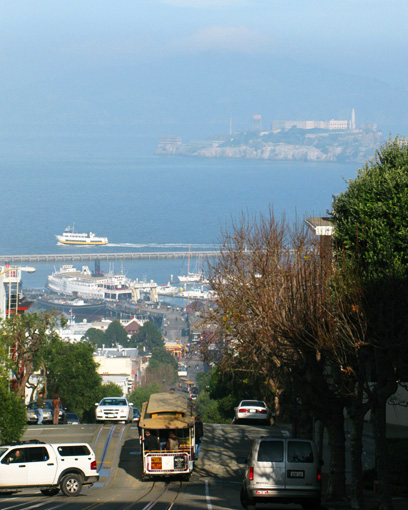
(61, 257)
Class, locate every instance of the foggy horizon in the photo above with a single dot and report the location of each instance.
(141, 70)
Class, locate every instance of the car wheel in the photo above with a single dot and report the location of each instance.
(245, 501)
(71, 484)
(50, 492)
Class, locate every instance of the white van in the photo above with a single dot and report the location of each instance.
(282, 470)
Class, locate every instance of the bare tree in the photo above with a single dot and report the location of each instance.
(276, 314)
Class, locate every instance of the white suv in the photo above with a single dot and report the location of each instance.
(114, 409)
(51, 467)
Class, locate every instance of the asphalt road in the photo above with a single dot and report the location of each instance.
(214, 485)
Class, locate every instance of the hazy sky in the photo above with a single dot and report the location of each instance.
(185, 67)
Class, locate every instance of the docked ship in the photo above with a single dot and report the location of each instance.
(70, 237)
(167, 290)
(190, 278)
(77, 308)
(70, 281)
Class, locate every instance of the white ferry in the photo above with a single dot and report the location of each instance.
(69, 281)
(87, 239)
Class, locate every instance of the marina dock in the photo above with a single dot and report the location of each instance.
(56, 257)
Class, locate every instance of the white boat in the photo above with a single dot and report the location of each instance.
(71, 282)
(190, 278)
(87, 239)
(198, 294)
(167, 290)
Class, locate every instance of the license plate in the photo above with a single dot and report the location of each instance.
(252, 410)
(261, 492)
(296, 474)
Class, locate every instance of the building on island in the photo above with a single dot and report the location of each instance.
(332, 125)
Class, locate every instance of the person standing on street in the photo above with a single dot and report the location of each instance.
(56, 401)
(40, 410)
(199, 433)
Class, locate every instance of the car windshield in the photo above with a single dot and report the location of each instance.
(113, 402)
(2, 450)
(252, 403)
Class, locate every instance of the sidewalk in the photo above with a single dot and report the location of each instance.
(370, 503)
(370, 498)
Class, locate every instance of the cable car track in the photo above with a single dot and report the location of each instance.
(157, 499)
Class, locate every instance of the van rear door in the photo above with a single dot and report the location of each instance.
(269, 468)
(301, 467)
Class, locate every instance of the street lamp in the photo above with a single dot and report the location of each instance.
(12, 277)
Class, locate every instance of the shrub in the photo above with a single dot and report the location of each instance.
(13, 415)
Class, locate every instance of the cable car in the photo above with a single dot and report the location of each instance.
(169, 419)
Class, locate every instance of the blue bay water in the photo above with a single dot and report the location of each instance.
(143, 202)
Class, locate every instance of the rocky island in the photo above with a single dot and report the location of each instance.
(293, 144)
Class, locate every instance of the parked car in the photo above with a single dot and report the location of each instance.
(50, 467)
(136, 414)
(32, 414)
(282, 470)
(252, 411)
(114, 409)
(72, 419)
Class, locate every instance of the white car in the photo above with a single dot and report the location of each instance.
(114, 409)
(253, 411)
(50, 467)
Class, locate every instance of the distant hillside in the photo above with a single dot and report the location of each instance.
(286, 145)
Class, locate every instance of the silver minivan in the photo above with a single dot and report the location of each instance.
(282, 470)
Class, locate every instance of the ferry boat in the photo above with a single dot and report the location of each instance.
(69, 281)
(76, 238)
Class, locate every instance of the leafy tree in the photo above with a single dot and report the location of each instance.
(209, 409)
(72, 373)
(371, 241)
(24, 336)
(110, 389)
(13, 417)
(162, 369)
(161, 374)
(95, 336)
(142, 394)
(148, 336)
(203, 380)
(162, 356)
(115, 334)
